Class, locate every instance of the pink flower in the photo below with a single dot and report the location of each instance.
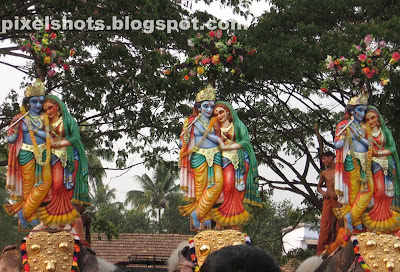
(23, 48)
(368, 39)
(66, 67)
(396, 56)
(60, 60)
(218, 34)
(51, 73)
(229, 42)
(330, 65)
(382, 44)
(229, 59)
(211, 34)
(53, 65)
(362, 57)
(358, 48)
(241, 58)
(206, 61)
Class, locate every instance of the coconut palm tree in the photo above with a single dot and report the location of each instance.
(156, 191)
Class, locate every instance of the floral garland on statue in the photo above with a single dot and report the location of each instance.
(359, 258)
(184, 153)
(36, 152)
(211, 53)
(370, 61)
(45, 46)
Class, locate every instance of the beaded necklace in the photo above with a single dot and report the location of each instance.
(36, 152)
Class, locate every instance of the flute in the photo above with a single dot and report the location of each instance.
(16, 122)
(190, 125)
(343, 129)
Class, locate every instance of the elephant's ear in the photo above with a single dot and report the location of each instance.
(9, 247)
(87, 260)
(10, 259)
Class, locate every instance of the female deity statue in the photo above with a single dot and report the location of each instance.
(29, 172)
(353, 179)
(239, 169)
(385, 164)
(69, 166)
(201, 160)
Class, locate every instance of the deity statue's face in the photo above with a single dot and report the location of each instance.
(36, 104)
(359, 112)
(51, 109)
(207, 108)
(221, 114)
(372, 119)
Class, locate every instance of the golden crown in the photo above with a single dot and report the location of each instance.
(361, 99)
(206, 94)
(35, 89)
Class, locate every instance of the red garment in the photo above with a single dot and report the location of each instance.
(60, 203)
(233, 199)
(327, 221)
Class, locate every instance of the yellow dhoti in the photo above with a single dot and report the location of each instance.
(208, 183)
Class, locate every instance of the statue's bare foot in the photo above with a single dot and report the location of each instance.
(195, 218)
(349, 222)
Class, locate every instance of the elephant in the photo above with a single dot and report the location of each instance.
(341, 260)
(244, 258)
(10, 261)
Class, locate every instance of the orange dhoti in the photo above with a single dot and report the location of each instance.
(328, 223)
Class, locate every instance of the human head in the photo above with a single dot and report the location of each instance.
(222, 113)
(372, 118)
(328, 158)
(51, 107)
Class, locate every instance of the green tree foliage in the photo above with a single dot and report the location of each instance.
(266, 226)
(171, 219)
(156, 190)
(104, 212)
(136, 221)
(116, 84)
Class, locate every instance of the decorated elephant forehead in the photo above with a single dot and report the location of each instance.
(54, 252)
(208, 241)
(380, 252)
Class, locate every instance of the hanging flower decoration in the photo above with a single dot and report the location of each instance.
(368, 62)
(45, 47)
(214, 52)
